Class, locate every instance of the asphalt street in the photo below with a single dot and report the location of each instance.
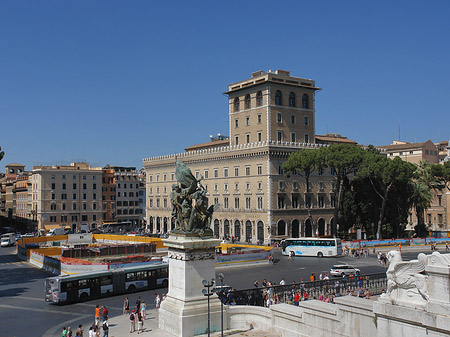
(23, 311)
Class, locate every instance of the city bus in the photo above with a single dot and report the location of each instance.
(117, 227)
(87, 286)
(312, 247)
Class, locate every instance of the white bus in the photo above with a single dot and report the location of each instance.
(312, 247)
(91, 285)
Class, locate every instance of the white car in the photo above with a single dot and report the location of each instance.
(343, 269)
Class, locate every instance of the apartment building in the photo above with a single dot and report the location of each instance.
(67, 196)
(108, 194)
(271, 115)
(128, 187)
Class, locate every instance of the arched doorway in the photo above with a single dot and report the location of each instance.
(295, 228)
(158, 224)
(216, 228)
(260, 232)
(308, 228)
(226, 228)
(237, 230)
(248, 231)
(281, 228)
(321, 225)
(165, 225)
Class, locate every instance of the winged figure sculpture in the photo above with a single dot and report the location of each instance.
(406, 274)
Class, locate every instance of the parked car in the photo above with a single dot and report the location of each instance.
(343, 269)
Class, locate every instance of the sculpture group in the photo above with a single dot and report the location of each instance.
(190, 209)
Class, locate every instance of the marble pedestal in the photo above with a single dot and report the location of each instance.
(185, 310)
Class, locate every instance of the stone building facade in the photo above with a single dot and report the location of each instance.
(271, 115)
(67, 196)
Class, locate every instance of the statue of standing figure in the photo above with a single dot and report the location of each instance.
(190, 209)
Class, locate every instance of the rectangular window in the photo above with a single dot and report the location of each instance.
(94, 205)
(63, 196)
(247, 170)
(74, 207)
(279, 136)
(306, 120)
(294, 201)
(280, 170)
(53, 218)
(236, 140)
(236, 123)
(247, 121)
(84, 186)
(260, 203)
(225, 187)
(259, 118)
(306, 138)
(281, 202)
(53, 196)
(94, 196)
(259, 185)
(84, 206)
(236, 171)
(94, 186)
(74, 218)
(84, 218)
(225, 172)
(206, 174)
(63, 218)
(236, 203)
(216, 173)
(247, 138)
(53, 186)
(215, 187)
(321, 201)
(164, 178)
(259, 136)
(279, 119)
(293, 139)
(247, 203)
(225, 202)
(236, 187)
(84, 196)
(292, 119)
(74, 186)
(64, 186)
(259, 169)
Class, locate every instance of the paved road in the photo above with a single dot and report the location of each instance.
(24, 312)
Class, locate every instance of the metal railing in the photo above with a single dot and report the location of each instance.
(375, 284)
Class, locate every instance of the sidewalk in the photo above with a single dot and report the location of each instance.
(119, 326)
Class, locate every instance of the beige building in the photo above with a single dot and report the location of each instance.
(413, 152)
(271, 115)
(438, 214)
(67, 196)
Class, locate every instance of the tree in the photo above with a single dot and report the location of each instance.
(384, 174)
(442, 173)
(303, 163)
(344, 160)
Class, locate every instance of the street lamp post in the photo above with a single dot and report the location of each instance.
(221, 277)
(208, 293)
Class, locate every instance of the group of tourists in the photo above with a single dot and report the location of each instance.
(356, 253)
(138, 316)
(69, 333)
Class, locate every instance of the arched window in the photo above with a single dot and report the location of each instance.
(259, 98)
(247, 102)
(292, 99)
(236, 104)
(278, 97)
(305, 104)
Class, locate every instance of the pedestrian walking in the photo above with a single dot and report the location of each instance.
(126, 306)
(157, 301)
(105, 327)
(140, 323)
(138, 304)
(132, 322)
(97, 316)
(104, 313)
(91, 332)
(80, 331)
(69, 332)
(143, 309)
(64, 332)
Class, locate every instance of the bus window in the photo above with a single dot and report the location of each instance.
(162, 273)
(105, 280)
(141, 275)
(82, 283)
(332, 243)
(131, 277)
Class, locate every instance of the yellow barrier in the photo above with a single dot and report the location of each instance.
(38, 239)
(225, 246)
(50, 251)
(129, 238)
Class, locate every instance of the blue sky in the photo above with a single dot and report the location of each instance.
(113, 82)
